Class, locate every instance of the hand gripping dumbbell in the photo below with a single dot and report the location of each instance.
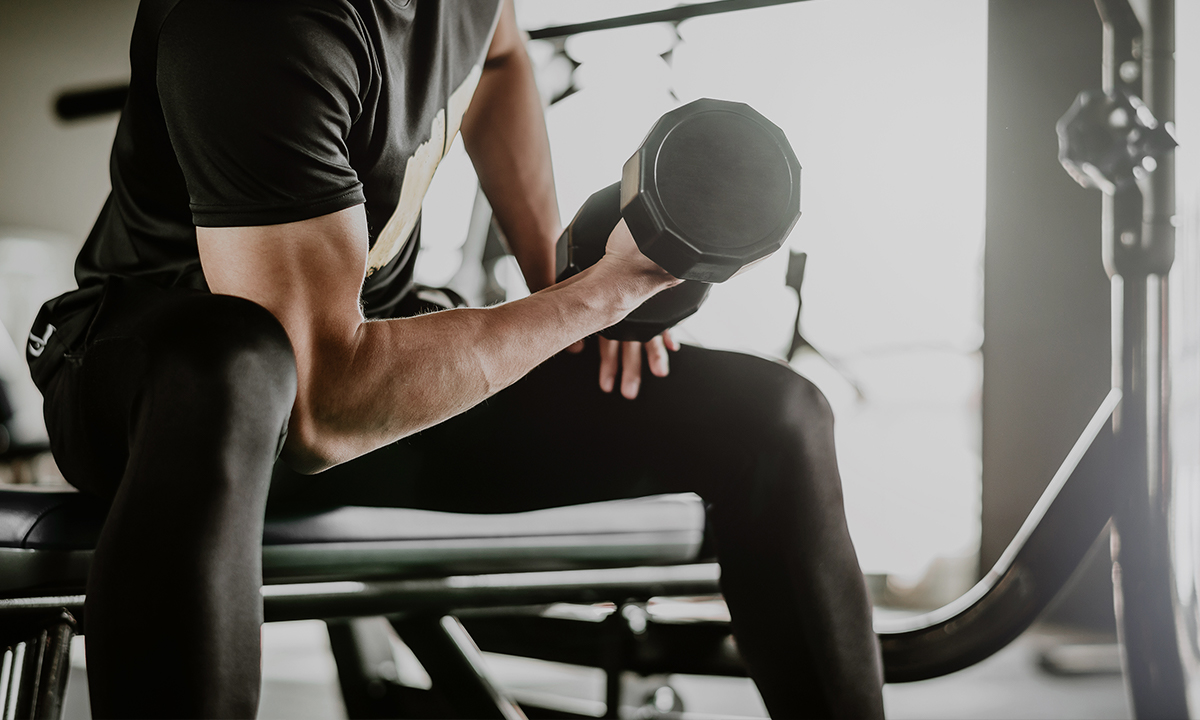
(714, 187)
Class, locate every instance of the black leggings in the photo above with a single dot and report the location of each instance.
(176, 411)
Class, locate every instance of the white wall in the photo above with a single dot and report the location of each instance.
(54, 175)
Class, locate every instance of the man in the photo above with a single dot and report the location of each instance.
(244, 298)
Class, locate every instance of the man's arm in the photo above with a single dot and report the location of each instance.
(504, 131)
(362, 385)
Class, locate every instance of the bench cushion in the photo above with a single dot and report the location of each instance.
(46, 537)
(41, 519)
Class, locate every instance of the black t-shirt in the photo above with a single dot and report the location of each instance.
(259, 112)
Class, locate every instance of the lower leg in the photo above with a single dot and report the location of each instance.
(800, 610)
(173, 608)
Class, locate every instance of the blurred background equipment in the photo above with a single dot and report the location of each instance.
(1111, 140)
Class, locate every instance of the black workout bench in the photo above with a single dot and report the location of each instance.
(433, 575)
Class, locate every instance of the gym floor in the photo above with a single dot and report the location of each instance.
(300, 682)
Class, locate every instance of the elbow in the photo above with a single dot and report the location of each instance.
(319, 437)
(311, 446)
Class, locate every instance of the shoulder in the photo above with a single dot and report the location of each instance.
(261, 36)
(289, 18)
(241, 54)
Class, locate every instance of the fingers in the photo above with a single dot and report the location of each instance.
(609, 349)
(626, 358)
(656, 356)
(575, 348)
(671, 343)
(631, 369)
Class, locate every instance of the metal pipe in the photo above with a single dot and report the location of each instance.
(675, 14)
(384, 597)
(6, 666)
(98, 101)
(1037, 564)
(456, 667)
(14, 682)
(1158, 92)
(54, 670)
(1139, 248)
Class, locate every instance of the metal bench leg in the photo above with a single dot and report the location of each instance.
(614, 654)
(366, 667)
(456, 667)
(367, 673)
(33, 674)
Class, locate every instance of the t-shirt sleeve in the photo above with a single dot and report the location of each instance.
(259, 107)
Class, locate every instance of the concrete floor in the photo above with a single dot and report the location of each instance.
(299, 682)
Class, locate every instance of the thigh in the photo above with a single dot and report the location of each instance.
(139, 332)
(554, 438)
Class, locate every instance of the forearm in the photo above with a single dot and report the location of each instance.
(505, 134)
(396, 377)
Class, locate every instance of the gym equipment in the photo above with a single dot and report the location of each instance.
(584, 241)
(1120, 467)
(354, 562)
(713, 188)
(339, 567)
(1109, 140)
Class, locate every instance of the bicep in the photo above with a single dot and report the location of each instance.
(508, 38)
(309, 274)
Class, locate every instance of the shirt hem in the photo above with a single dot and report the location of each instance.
(275, 215)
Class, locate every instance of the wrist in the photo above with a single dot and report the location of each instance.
(628, 290)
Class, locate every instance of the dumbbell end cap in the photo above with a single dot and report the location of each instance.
(714, 187)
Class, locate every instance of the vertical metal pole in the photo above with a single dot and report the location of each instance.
(55, 670)
(34, 673)
(616, 633)
(14, 682)
(1138, 252)
(6, 665)
(31, 675)
(1143, 573)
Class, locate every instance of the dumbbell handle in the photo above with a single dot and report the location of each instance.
(582, 245)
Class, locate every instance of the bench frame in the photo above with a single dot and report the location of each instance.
(36, 632)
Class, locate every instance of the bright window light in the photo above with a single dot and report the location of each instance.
(884, 103)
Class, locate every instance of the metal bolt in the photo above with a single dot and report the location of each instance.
(1129, 71)
(636, 617)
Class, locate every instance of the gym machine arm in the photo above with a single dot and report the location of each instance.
(1119, 469)
(1038, 563)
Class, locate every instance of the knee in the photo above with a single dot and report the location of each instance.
(800, 411)
(226, 354)
(787, 408)
(792, 449)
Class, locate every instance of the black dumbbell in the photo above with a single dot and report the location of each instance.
(714, 187)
